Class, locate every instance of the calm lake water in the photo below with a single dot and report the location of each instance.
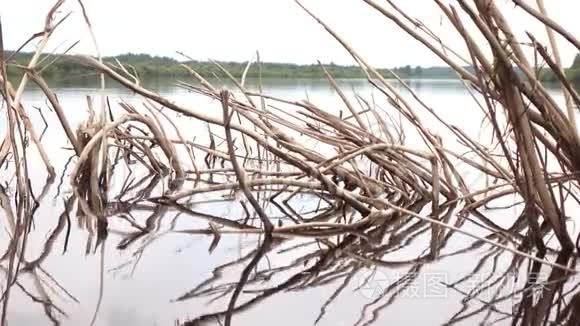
(142, 280)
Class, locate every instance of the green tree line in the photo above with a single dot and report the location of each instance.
(147, 66)
(572, 73)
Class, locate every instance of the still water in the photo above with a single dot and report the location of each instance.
(149, 280)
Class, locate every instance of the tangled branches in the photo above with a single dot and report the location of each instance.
(374, 191)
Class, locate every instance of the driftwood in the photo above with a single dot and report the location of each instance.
(375, 192)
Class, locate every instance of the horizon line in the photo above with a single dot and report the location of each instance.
(413, 66)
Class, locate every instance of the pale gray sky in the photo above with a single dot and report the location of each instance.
(279, 29)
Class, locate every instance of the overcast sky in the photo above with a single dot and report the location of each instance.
(279, 29)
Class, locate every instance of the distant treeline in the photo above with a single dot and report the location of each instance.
(147, 66)
(573, 73)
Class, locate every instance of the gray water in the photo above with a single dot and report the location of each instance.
(142, 282)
